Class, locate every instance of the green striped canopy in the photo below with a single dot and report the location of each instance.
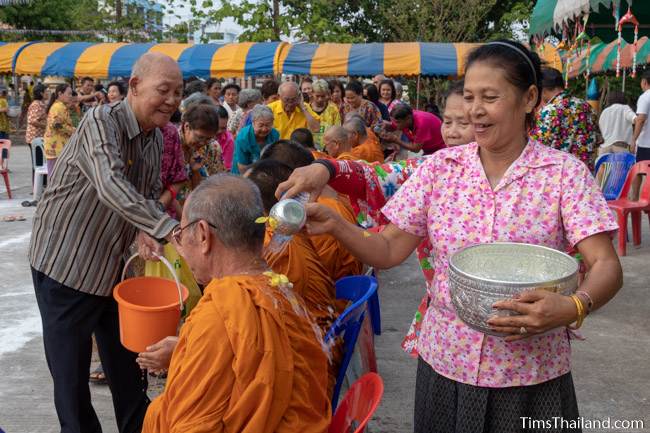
(551, 16)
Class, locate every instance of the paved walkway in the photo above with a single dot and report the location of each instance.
(611, 369)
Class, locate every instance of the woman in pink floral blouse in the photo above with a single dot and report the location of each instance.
(503, 187)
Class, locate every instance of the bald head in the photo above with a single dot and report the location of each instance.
(289, 95)
(356, 129)
(288, 87)
(155, 63)
(156, 88)
(336, 141)
(287, 152)
(267, 174)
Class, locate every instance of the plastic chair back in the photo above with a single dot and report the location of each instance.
(358, 289)
(5, 145)
(616, 165)
(38, 153)
(374, 307)
(358, 405)
(642, 167)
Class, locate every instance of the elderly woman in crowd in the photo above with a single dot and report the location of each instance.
(321, 109)
(354, 102)
(203, 155)
(467, 380)
(116, 91)
(252, 138)
(248, 98)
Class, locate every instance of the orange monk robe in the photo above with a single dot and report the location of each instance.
(337, 259)
(348, 156)
(317, 154)
(245, 362)
(299, 261)
(370, 150)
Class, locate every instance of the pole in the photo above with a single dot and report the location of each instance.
(417, 93)
(624, 74)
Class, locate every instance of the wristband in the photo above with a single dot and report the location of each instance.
(172, 192)
(328, 164)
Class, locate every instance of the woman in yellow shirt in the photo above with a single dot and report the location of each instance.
(322, 109)
(59, 127)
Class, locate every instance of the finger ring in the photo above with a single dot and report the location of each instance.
(523, 330)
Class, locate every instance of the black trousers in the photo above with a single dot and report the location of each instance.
(69, 318)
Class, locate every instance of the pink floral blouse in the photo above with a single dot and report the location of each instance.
(546, 197)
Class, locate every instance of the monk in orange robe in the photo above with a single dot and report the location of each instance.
(364, 142)
(248, 359)
(298, 260)
(337, 259)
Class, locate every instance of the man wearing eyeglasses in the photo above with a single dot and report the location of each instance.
(289, 113)
(104, 191)
(248, 356)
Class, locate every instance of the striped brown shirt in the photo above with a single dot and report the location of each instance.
(103, 189)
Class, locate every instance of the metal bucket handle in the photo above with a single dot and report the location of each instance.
(171, 270)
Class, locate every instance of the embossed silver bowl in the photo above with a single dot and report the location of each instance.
(483, 274)
(290, 215)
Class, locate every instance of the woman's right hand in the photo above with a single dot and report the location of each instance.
(321, 219)
(312, 179)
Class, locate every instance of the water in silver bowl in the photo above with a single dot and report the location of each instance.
(481, 275)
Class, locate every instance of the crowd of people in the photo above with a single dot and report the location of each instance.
(195, 166)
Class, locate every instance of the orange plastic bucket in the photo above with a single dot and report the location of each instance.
(149, 308)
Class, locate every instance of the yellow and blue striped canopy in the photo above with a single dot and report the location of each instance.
(104, 60)
(107, 60)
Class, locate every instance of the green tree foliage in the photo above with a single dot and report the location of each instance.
(365, 20)
(77, 15)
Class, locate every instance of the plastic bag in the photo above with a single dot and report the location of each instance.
(158, 269)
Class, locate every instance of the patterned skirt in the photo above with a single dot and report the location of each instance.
(443, 405)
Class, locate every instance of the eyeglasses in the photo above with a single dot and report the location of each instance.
(178, 230)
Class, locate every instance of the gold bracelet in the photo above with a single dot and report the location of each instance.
(581, 311)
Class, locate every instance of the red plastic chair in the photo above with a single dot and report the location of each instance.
(622, 207)
(5, 145)
(358, 405)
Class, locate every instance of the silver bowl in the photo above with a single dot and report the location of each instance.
(483, 274)
(290, 215)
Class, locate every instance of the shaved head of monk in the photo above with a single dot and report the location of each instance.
(288, 152)
(219, 225)
(267, 175)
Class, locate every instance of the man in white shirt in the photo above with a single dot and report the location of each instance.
(616, 124)
(641, 141)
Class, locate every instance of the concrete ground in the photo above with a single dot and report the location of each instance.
(610, 369)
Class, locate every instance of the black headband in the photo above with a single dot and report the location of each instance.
(521, 52)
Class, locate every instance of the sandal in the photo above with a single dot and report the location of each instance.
(97, 376)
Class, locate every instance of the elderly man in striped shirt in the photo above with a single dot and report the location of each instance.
(102, 195)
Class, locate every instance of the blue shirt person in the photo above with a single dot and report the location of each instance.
(252, 138)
